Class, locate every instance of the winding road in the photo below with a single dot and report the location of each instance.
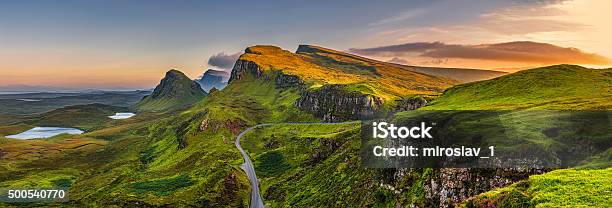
(247, 166)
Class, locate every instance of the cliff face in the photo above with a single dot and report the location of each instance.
(448, 186)
(411, 103)
(284, 80)
(332, 103)
(243, 68)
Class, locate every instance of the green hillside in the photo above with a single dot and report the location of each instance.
(522, 109)
(155, 159)
(175, 91)
(182, 154)
(318, 66)
(554, 87)
(351, 63)
(319, 165)
(85, 117)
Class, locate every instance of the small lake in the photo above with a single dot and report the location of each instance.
(28, 100)
(122, 115)
(44, 132)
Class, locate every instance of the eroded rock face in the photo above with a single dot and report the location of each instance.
(282, 80)
(286, 81)
(243, 68)
(234, 126)
(332, 103)
(411, 103)
(446, 187)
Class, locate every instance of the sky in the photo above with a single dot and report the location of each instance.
(115, 44)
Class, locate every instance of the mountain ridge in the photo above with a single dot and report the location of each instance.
(336, 87)
(463, 75)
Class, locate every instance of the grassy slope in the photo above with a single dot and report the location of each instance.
(561, 87)
(280, 155)
(156, 159)
(332, 67)
(166, 104)
(554, 87)
(560, 188)
(122, 168)
(577, 134)
(351, 63)
(85, 117)
(318, 165)
(253, 101)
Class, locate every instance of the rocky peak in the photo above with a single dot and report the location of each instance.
(174, 90)
(174, 84)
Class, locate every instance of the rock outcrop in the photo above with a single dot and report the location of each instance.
(243, 68)
(448, 186)
(285, 81)
(235, 126)
(333, 103)
(411, 103)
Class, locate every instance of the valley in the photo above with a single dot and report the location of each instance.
(286, 132)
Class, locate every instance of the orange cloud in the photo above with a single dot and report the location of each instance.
(516, 53)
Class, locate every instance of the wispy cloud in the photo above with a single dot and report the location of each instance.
(406, 15)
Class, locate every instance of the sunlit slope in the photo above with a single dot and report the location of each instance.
(363, 75)
(553, 87)
(351, 62)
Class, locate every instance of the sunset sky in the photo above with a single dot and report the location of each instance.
(130, 44)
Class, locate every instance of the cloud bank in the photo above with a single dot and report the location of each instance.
(223, 60)
(519, 51)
